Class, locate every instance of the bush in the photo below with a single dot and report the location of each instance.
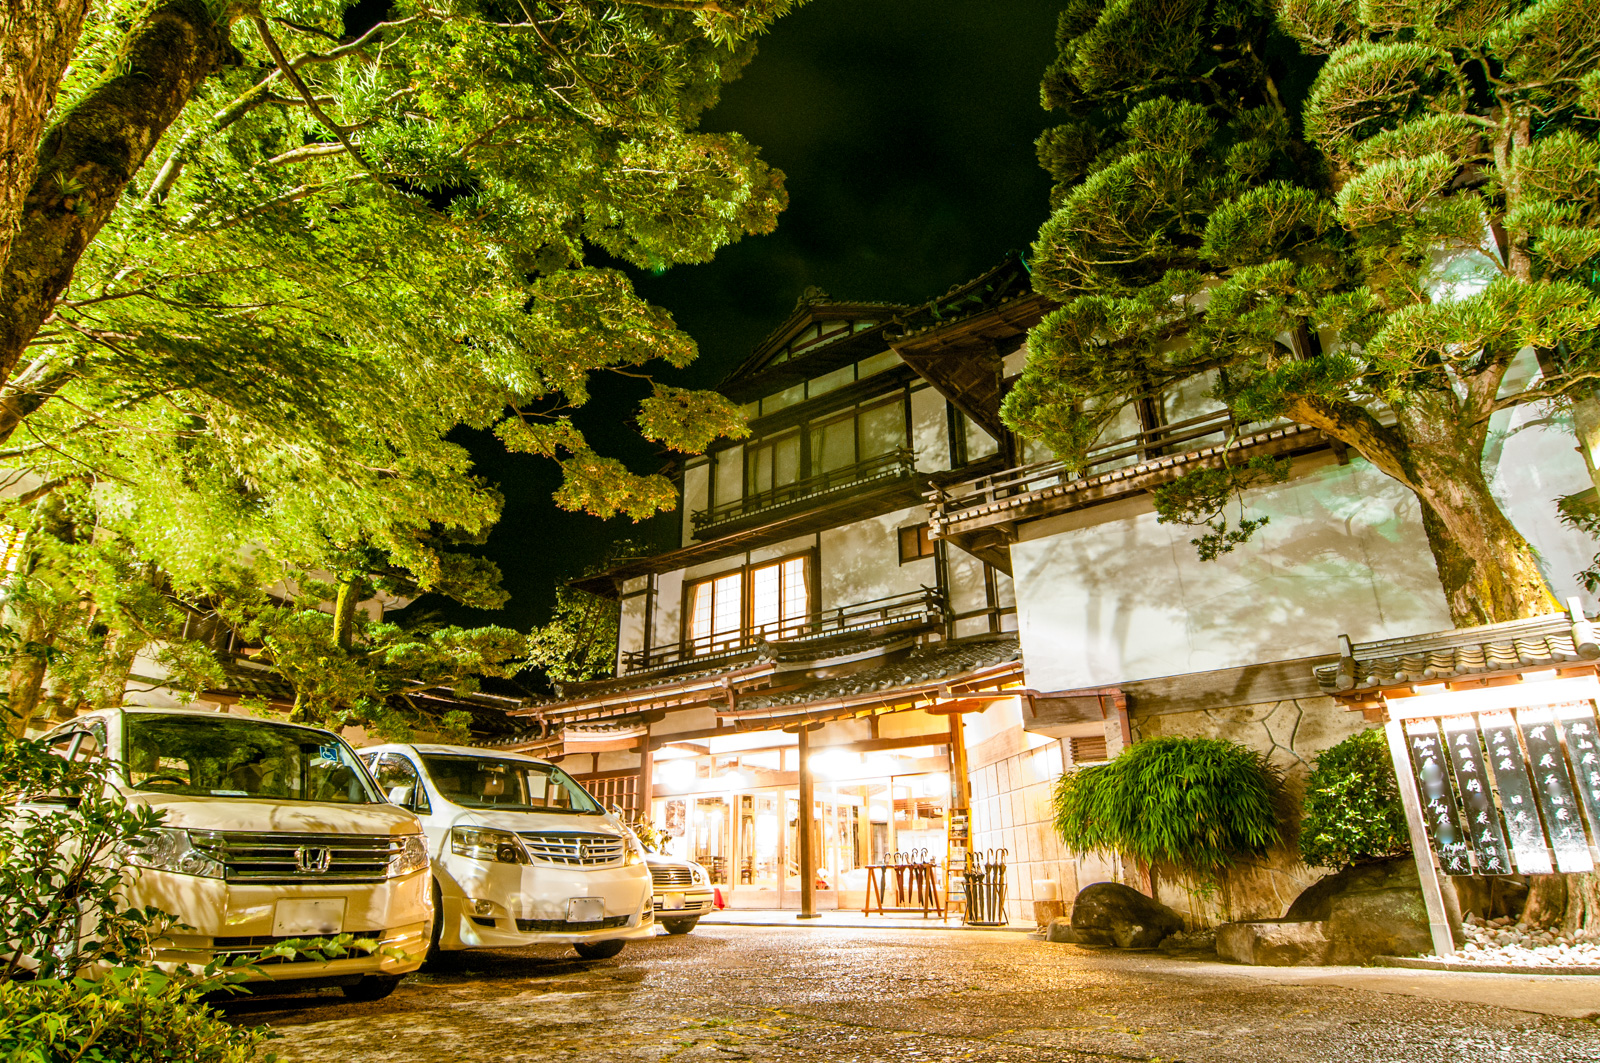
(1352, 807)
(1195, 806)
(132, 1015)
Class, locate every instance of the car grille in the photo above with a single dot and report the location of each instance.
(575, 850)
(608, 923)
(252, 856)
(667, 877)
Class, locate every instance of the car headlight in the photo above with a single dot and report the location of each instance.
(635, 852)
(411, 856)
(482, 843)
(700, 876)
(172, 849)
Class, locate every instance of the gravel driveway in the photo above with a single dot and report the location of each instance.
(828, 994)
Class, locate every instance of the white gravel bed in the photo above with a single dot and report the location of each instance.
(1502, 942)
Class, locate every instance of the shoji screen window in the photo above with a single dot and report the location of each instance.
(773, 463)
(715, 612)
(779, 599)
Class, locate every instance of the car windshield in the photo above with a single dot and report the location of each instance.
(512, 785)
(232, 756)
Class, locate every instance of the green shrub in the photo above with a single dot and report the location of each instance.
(1352, 807)
(1192, 805)
(132, 1015)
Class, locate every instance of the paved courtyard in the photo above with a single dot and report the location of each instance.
(838, 994)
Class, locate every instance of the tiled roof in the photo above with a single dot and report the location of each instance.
(928, 664)
(1543, 641)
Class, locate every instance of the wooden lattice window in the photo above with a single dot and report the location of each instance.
(619, 789)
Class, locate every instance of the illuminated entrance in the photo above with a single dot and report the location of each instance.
(733, 804)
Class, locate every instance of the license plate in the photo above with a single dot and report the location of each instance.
(586, 909)
(672, 900)
(314, 917)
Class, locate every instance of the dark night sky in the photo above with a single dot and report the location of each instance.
(906, 130)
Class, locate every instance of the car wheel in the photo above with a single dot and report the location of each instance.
(434, 953)
(372, 987)
(599, 950)
(678, 926)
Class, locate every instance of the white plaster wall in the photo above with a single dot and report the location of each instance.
(799, 544)
(861, 561)
(1108, 594)
(669, 608)
(967, 589)
(930, 430)
(696, 487)
(630, 627)
(1532, 460)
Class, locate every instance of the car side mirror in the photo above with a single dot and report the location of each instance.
(403, 796)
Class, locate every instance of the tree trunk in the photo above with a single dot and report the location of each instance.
(36, 42)
(1487, 569)
(1547, 901)
(351, 590)
(90, 154)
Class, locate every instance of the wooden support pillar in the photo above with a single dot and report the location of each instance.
(960, 784)
(808, 845)
(1444, 944)
(647, 771)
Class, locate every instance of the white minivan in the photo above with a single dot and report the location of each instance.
(522, 854)
(271, 831)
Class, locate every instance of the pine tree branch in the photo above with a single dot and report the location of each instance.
(1355, 425)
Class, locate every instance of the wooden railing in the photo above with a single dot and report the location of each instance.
(897, 464)
(925, 606)
(1164, 441)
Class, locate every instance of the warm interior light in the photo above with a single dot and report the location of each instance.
(677, 774)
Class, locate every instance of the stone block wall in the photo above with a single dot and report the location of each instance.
(1290, 733)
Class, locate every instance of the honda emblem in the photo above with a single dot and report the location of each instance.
(312, 859)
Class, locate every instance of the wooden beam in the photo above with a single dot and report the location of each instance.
(808, 855)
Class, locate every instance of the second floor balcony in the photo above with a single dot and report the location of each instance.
(919, 610)
(980, 515)
(895, 466)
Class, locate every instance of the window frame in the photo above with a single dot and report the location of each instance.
(920, 531)
(686, 639)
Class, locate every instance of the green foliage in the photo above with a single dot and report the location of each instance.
(1352, 805)
(333, 257)
(580, 641)
(1193, 805)
(1199, 498)
(131, 1015)
(60, 867)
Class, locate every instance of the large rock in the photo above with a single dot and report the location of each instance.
(1370, 910)
(1274, 944)
(1110, 913)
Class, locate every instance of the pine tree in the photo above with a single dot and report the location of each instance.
(1429, 207)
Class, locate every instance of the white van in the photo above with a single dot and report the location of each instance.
(522, 855)
(272, 831)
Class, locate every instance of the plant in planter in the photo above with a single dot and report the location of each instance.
(1190, 807)
(1352, 806)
